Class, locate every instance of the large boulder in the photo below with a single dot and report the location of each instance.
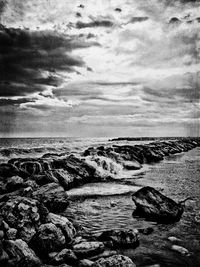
(154, 206)
(24, 214)
(120, 238)
(49, 238)
(20, 254)
(64, 224)
(53, 196)
(114, 261)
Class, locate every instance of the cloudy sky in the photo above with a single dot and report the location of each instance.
(95, 68)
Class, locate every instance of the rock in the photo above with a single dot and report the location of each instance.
(49, 238)
(20, 254)
(173, 239)
(64, 256)
(8, 170)
(87, 249)
(181, 250)
(53, 196)
(11, 234)
(42, 179)
(121, 238)
(1, 235)
(146, 231)
(3, 256)
(14, 183)
(64, 224)
(86, 263)
(114, 261)
(23, 214)
(132, 165)
(154, 206)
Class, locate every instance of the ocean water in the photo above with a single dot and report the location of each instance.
(108, 205)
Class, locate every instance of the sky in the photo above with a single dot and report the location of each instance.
(99, 68)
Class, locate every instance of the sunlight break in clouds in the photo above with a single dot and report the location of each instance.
(104, 68)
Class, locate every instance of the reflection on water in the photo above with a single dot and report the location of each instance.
(177, 177)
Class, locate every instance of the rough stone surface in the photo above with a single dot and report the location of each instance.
(23, 214)
(114, 261)
(49, 238)
(121, 238)
(64, 256)
(152, 205)
(53, 196)
(64, 224)
(20, 254)
(87, 249)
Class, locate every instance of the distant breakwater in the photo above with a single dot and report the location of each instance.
(34, 191)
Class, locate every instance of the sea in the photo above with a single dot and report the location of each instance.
(108, 205)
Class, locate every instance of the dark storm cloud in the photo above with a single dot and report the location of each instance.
(26, 55)
(138, 19)
(6, 102)
(95, 23)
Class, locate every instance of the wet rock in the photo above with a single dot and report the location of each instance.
(46, 178)
(146, 231)
(114, 261)
(23, 214)
(87, 249)
(49, 238)
(64, 224)
(64, 256)
(14, 183)
(8, 170)
(11, 234)
(53, 196)
(66, 179)
(20, 254)
(86, 263)
(152, 205)
(132, 165)
(181, 250)
(120, 238)
(173, 239)
(3, 257)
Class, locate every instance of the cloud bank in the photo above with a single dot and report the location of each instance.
(102, 68)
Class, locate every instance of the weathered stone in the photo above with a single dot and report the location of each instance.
(87, 249)
(20, 254)
(114, 261)
(152, 205)
(86, 263)
(64, 224)
(121, 238)
(146, 231)
(23, 214)
(8, 170)
(11, 234)
(14, 183)
(53, 196)
(132, 165)
(48, 238)
(181, 250)
(64, 256)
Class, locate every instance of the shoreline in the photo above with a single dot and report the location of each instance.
(33, 192)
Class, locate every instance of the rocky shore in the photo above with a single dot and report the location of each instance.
(33, 194)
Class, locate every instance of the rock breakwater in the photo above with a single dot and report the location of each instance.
(33, 193)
